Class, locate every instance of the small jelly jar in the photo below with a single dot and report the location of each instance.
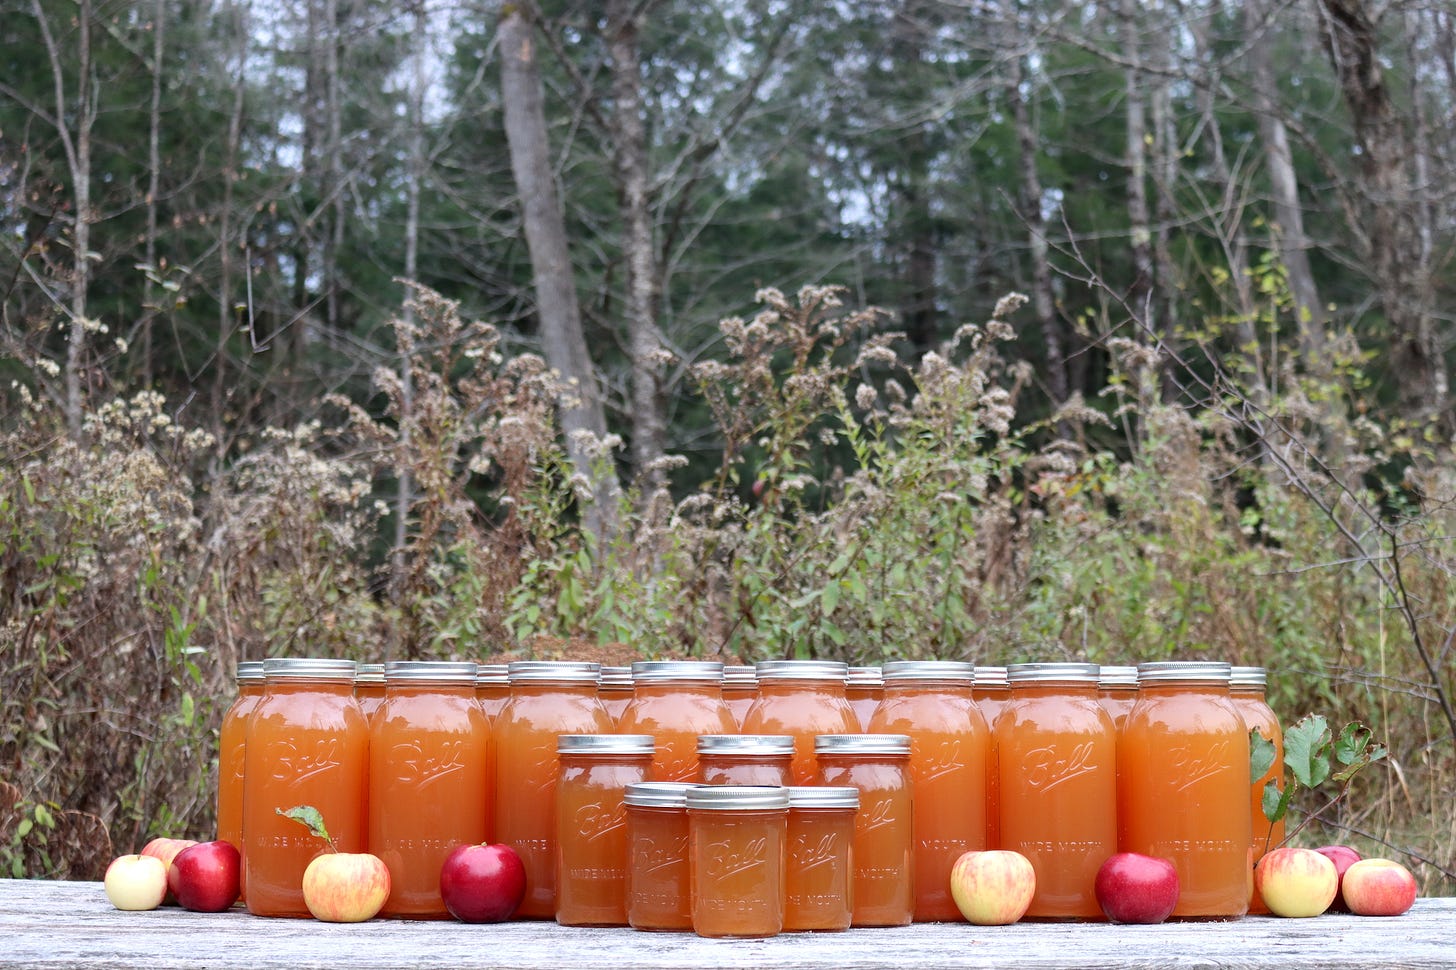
(675, 701)
(745, 759)
(878, 766)
(591, 824)
(819, 887)
(803, 699)
(658, 888)
(1246, 689)
(737, 843)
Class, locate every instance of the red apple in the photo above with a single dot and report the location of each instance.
(1379, 887)
(345, 887)
(1343, 857)
(136, 882)
(166, 849)
(1136, 888)
(204, 877)
(1296, 882)
(482, 883)
(993, 887)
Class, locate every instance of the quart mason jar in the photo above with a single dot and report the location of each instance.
(614, 690)
(740, 690)
(659, 892)
(737, 843)
(1184, 756)
(1246, 690)
(369, 688)
(745, 759)
(430, 786)
(232, 743)
(803, 699)
(307, 744)
(864, 688)
(492, 688)
(1117, 691)
(1058, 784)
(878, 766)
(675, 701)
(591, 824)
(992, 691)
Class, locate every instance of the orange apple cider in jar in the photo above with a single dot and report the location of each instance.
(658, 891)
(745, 759)
(232, 739)
(803, 699)
(430, 787)
(675, 701)
(991, 692)
(614, 690)
(591, 824)
(864, 688)
(1184, 758)
(1246, 690)
(878, 767)
(1058, 784)
(931, 702)
(548, 699)
(307, 744)
(819, 886)
(1117, 691)
(740, 690)
(492, 688)
(369, 689)
(737, 843)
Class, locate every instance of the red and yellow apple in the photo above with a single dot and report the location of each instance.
(166, 849)
(1343, 857)
(1296, 882)
(135, 882)
(992, 887)
(1379, 887)
(345, 887)
(1136, 888)
(204, 877)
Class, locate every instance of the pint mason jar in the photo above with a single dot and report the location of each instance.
(429, 779)
(803, 699)
(737, 842)
(675, 701)
(591, 824)
(864, 688)
(307, 744)
(878, 766)
(930, 700)
(745, 759)
(1184, 756)
(658, 889)
(1058, 784)
(819, 887)
(1246, 690)
(548, 699)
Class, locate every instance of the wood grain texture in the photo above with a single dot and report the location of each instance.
(71, 925)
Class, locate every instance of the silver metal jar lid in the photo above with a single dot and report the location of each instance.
(434, 671)
(657, 794)
(1166, 670)
(730, 798)
(1248, 677)
(605, 744)
(991, 677)
(823, 796)
(492, 675)
(738, 675)
(894, 744)
(615, 678)
(864, 677)
(249, 672)
(930, 670)
(653, 671)
(1074, 672)
(369, 673)
(574, 671)
(309, 668)
(801, 670)
(1117, 676)
(746, 744)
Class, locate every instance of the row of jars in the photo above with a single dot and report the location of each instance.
(1026, 757)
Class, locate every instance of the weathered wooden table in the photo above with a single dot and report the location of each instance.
(71, 925)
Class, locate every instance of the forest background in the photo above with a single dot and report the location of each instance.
(968, 329)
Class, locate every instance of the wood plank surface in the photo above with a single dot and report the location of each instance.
(71, 925)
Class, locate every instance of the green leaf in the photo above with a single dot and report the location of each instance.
(1307, 750)
(312, 819)
(1274, 802)
(1261, 755)
(829, 598)
(23, 829)
(1350, 746)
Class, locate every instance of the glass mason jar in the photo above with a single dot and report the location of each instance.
(1246, 690)
(591, 824)
(369, 688)
(930, 700)
(745, 759)
(614, 690)
(658, 890)
(740, 690)
(548, 699)
(1184, 770)
(492, 688)
(1117, 692)
(1058, 784)
(803, 699)
(864, 688)
(819, 886)
(232, 743)
(429, 779)
(737, 843)
(307, 744)
(675, 701)
(878, 766)
(992, 691)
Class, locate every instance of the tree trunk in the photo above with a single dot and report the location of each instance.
(154, 187)
(645, 340)
(334, 186)
(1392, 207)
(404, 497)
(220, 386)
(1140, 236)
(907, 45)
(562, 339)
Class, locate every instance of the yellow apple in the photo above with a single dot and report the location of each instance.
(136, 882)
(1296, 882)
(345, 887)
(993, 887)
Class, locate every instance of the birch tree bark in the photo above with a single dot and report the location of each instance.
(1136, 160)
(154, 186)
